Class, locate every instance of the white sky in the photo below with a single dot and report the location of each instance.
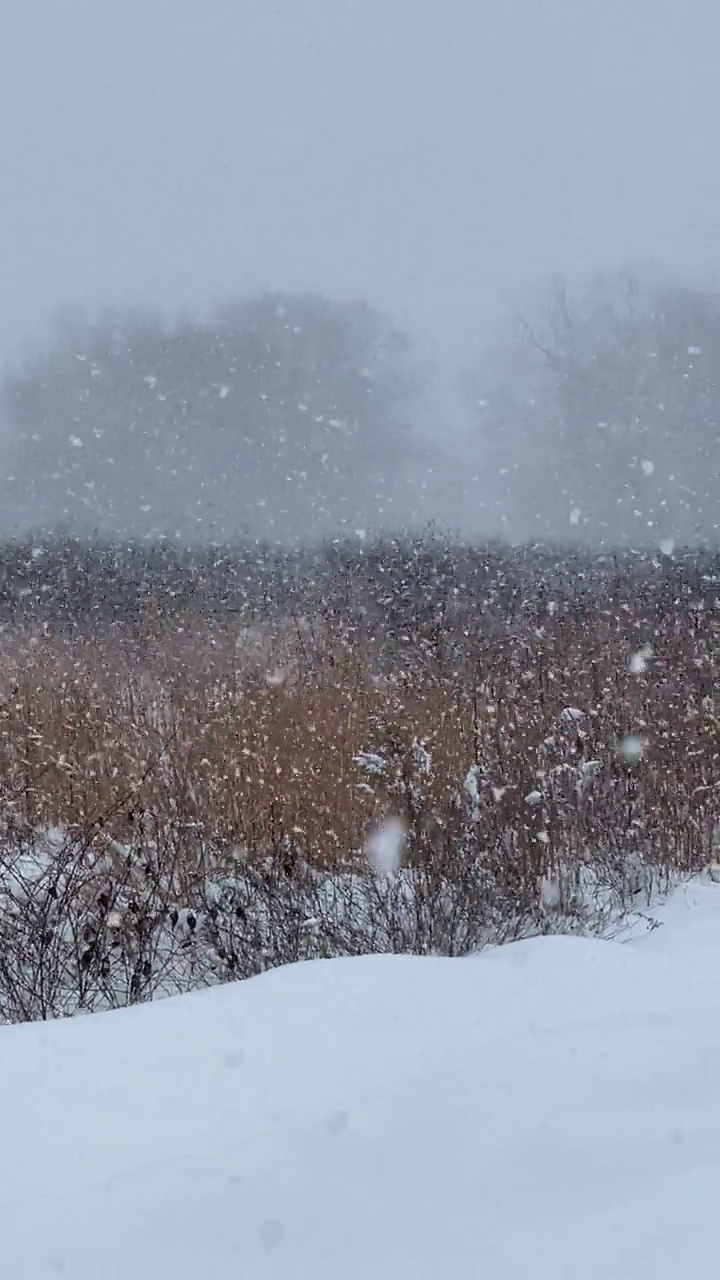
(430, 154)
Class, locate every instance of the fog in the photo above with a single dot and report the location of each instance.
(439, 159)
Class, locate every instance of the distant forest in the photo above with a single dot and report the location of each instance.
(293, 420)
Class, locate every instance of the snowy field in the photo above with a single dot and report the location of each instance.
(548, 1109)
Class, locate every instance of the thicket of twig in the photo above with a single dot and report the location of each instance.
(186, 796)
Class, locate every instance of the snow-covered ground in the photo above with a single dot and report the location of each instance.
(548, 1109)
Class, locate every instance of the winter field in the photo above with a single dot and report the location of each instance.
(196, 749)
(547, 1109)
(347, 781)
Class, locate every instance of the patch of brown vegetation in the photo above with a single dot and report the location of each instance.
(257, 745)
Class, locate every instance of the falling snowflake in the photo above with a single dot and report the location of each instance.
(385, 846)
(638, 662)
(631, 749)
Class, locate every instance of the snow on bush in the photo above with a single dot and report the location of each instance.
(89, 923)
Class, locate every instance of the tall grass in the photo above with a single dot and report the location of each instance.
(190, 802)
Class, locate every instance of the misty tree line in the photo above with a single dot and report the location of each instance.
(611, 421)
(596, 420)
(280, 416)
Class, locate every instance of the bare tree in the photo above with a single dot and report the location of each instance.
(607, 419)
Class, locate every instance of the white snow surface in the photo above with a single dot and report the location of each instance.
(546, 1109)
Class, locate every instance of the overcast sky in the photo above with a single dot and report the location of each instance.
(430, 154)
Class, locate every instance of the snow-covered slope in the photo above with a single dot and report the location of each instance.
(548, 1109)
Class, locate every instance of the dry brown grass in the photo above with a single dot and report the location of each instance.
(212, 779)
(257, 745)
(215, 789)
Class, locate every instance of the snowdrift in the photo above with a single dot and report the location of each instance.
(547, 1109)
